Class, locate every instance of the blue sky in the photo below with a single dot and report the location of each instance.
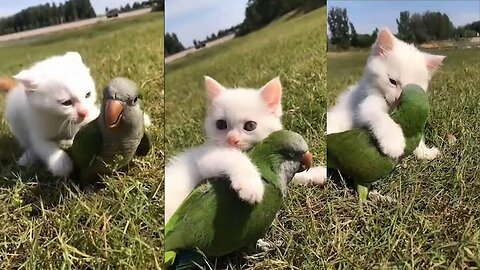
(10, 7)
(195, 19)
(366, 15)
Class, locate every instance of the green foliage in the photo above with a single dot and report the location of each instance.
(420, 28)
(338, 25)
(261, 12)
(46, 15)
(46, 223)
(172, 44)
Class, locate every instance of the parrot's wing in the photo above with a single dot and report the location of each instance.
(86, 145)
(145, 145)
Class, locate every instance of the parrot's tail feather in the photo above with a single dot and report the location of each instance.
(188, 259)
(7, 84)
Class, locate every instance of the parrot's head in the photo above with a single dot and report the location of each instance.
(121, 104)
(286, 152)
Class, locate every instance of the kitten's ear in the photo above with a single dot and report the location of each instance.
(434, 62)
(384, 43)
(271, 93)
(27, 79)
(213, 88)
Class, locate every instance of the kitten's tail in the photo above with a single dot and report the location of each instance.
(7, 84)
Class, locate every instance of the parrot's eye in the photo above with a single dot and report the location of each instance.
(221, 124)
(250, 125)
(392, 81)
(66, 102)
(132, 102)
(88, 94)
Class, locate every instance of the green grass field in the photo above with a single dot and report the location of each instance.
(294, 49)
(48, 224)
(435, 222)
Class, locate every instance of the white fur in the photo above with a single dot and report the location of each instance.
(316, 175)
(194, 166)
(370, 103)
(219, 158)
(36, 116)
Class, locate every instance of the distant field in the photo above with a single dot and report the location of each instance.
(435, 222)
(47, 224)
(293, 49)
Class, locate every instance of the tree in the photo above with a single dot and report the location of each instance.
(403, 27)
(338, 24)
(353, 36)
(172, 44)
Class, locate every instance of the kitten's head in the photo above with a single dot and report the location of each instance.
(61, 86)
(242, 117)
(393, 64)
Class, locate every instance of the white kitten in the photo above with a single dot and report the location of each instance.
(53, 99)
(392, 65)
(236, 120)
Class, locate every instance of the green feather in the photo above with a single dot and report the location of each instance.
(355, 153)
(216, 221)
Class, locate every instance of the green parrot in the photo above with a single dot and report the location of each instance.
(216, 221)
(110, 141)
(355, 152)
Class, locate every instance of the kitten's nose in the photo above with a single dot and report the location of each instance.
(233, 141)
(82, 113)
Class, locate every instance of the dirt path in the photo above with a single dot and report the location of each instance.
(186, 52)
(66, 26)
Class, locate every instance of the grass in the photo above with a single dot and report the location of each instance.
(435, 222)
(294, 49)
(46, 223)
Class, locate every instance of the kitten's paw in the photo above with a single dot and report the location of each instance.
(66, 143)
(316, 175)
(27, 159)
(60, 164)
(249, 189)
(393, 144)
(426, 152)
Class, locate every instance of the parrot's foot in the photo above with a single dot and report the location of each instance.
(425, 152)
(66, 143)
(391, 140)
(375, 196)
(264, 246)
(27, 159)
(249, 188)
(316, 175)
(60, 164)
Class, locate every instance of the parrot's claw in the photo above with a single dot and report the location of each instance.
(375, 196)
(266, 246)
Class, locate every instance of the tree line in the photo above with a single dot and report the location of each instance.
(46, 15)
(414, 28)
(157, 5)
(172, 44)
(259, 13)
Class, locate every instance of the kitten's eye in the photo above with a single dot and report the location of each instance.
(88, 94)
(135, 100)
(250, 125)
(221, 124)
(66, 102)
(392, 81)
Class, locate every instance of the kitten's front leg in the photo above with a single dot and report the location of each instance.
(424, 152)
(246, 179)
(389, 135)
(57, 160)
(316, 175)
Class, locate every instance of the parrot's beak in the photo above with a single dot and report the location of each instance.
(307, 161)
(113, 113)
